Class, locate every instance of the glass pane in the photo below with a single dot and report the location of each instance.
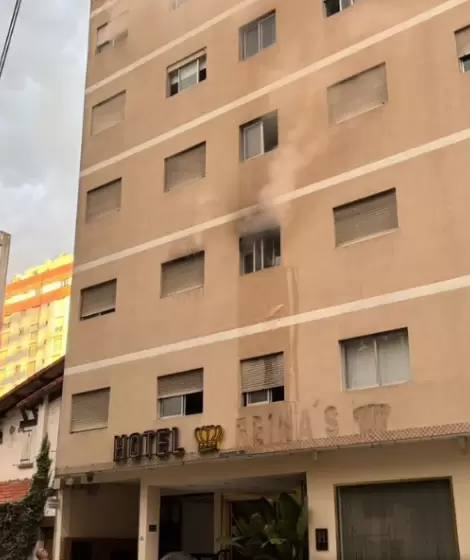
(268, 31)
(268, 247)
(248, 266)
(171, 406)
(360, 363)
(252, 140)
(251, 41)
(193, 403)
(332, 7)
(188, 75)
(465, 63)
(346, 4)
(257, 397)
(393, 355)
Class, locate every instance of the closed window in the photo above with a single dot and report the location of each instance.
(57, 343)
(174, 4)
(258, 35)
(187, 73)
(33, 348)
(365, 217)
(259, 136)
(358, 94)
(90, 410)
(185, 166)
(103, 200)
(26, 446)
(183, 274)
(180, 394)
(31, 368)
(376, 360)
(98, 300)
(108, 113)
(260, 251)
(112, 33)
(262, 379)
(462, 40)
(334, 6)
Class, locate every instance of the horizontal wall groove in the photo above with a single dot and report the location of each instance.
(408, 294)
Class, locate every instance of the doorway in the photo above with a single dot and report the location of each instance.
(187, 524)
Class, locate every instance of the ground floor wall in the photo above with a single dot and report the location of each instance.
(131, 509)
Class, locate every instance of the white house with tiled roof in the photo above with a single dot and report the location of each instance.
(27, 413)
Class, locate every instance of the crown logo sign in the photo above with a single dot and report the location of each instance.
(208, 438)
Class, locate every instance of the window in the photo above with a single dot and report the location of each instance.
(180, 275)
(180, 394)
(21, 331)
(187, 73)
(33, 336)
(26, 446)
(31, 368)
(57, 345)
(376, 360)
(357, 94)
(258, 35)
(365, 217)
(462, 40)
(261, 251)
(108, 113)
(103, 200)
(259, 136)
(33, 348)
(5, 339)
(262, 379)
(90, 410)
(112, 33)
(334, 6)
(185, 166)
(98, 300)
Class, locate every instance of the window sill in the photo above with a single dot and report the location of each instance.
(368, 238)
(352, 116)
(182, 416)
(25, 465)
(369, 387)
(87, 430)
(181, 292)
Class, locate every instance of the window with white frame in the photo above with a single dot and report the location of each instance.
(462, 40)
(334, 6)
(376, 360)
(259, 136)
(260, 251)
(26, 446)
(258, 35)
(180, 394)
(262, 379)
(187, 73)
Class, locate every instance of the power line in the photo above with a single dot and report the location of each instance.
(11, 28)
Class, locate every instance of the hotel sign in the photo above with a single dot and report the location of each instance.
(209, 438)
(161, 443)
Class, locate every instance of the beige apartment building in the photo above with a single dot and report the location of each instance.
(271, 288)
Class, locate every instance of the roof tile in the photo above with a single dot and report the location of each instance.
(14, 490)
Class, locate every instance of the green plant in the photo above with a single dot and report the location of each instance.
(19, 521)
(277, 530)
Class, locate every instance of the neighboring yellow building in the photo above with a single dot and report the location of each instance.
(35, 320)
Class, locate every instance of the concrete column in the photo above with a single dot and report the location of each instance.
(149, 514)
(321, 515)
(218, 515)
(62, 523)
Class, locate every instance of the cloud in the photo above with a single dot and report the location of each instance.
(41, 107)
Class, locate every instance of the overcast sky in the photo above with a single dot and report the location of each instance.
(41, 103)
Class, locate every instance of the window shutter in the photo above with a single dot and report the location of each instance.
(26, 446)
(183, 274)
(103, 199)
(185, 61)
(264, 372)
(108, 113)
(90, 410)
(185, 166)
(366, 216)
(462, 39)
(98, 299)
(102, 34)
(180, 383)
(358, 94)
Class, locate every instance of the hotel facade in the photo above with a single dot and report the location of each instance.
(271, 288)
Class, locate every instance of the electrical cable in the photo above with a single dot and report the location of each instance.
(11, 28)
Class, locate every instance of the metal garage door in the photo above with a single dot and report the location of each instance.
(401, 521)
